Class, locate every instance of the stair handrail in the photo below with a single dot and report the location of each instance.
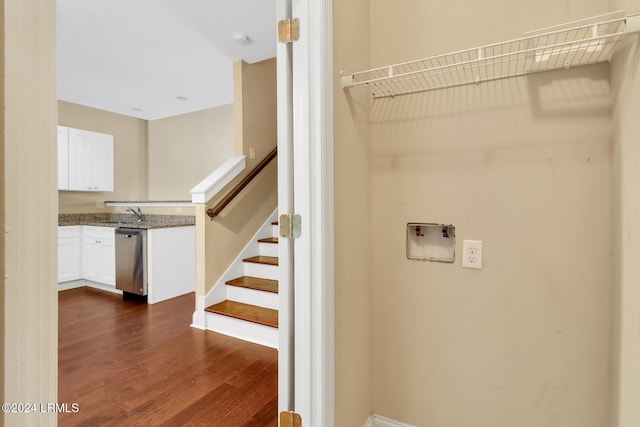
(215, 211)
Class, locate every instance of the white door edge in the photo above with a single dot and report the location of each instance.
(313, 199)
(285, 205)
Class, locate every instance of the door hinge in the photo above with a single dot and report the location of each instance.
(290, 226)
(289, 30)
(290, 419)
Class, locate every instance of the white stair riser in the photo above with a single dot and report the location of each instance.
(253, 297)
(268, 249)
(276, 231)
(248, 331)
(263, 271)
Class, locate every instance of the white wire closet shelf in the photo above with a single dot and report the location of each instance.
(584, 42)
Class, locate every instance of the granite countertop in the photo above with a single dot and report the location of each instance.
(126, 220)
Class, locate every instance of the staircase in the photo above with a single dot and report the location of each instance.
(250, 310)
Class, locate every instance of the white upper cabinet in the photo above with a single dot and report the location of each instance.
(89, 160)
(63, 158)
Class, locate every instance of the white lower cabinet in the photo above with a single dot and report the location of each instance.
(99, 255)
(88, 252)
(68, 253)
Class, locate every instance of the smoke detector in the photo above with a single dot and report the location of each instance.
(241, 38)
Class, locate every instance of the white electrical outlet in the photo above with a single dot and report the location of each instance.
(472, 254)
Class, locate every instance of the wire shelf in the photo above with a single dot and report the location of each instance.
(582, 44)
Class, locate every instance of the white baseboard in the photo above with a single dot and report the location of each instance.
(65, 286)
(376, 420)
(103, 287)
(82, 283)
(199, 320)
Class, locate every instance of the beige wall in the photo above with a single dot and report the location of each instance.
(352, 196)
(130, 156)
(152, 160)
(3, 317)
(626, 249)
(254, 100)
(28, 309)
(185, 149)
(523, 165)
(428, 28)
(255, 125)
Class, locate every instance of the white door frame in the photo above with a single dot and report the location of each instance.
(310, 369)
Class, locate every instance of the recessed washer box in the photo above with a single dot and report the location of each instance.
(431, 242)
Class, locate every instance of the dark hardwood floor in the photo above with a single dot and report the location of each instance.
(126, 363)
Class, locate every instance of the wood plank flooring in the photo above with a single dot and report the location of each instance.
(126, 363)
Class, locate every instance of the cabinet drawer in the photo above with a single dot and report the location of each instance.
(100, 232)
(68, 231)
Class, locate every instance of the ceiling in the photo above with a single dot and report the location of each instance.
(158, 58)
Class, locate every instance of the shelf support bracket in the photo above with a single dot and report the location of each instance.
(633, 24)
(347, 80)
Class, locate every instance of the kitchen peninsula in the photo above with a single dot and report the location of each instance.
(87, 253)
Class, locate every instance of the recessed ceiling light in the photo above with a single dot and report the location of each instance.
(241, 38)
(138, 109)
(181, 98)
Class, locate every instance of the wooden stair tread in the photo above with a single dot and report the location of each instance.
(261, 259)
(256, 283)
(250, 313)
(269, 240)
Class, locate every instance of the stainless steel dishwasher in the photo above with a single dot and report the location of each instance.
(131, 260)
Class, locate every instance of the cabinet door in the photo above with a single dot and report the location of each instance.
(80, 159)
(63, 158)
(108, 274)
(90, 161)
(99, 255)
(102, 161)
(68, 259)
(92, 260)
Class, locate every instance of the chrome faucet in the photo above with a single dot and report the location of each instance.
(137, 213)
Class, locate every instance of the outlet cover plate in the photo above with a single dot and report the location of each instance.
(472, 254)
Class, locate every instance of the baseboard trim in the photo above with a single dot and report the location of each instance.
(199, 320)
(103, 287)
(74, 284)
(376, 420)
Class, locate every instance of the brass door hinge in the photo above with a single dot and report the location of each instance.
(290, 419)
(289, 30)
(290, 226)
